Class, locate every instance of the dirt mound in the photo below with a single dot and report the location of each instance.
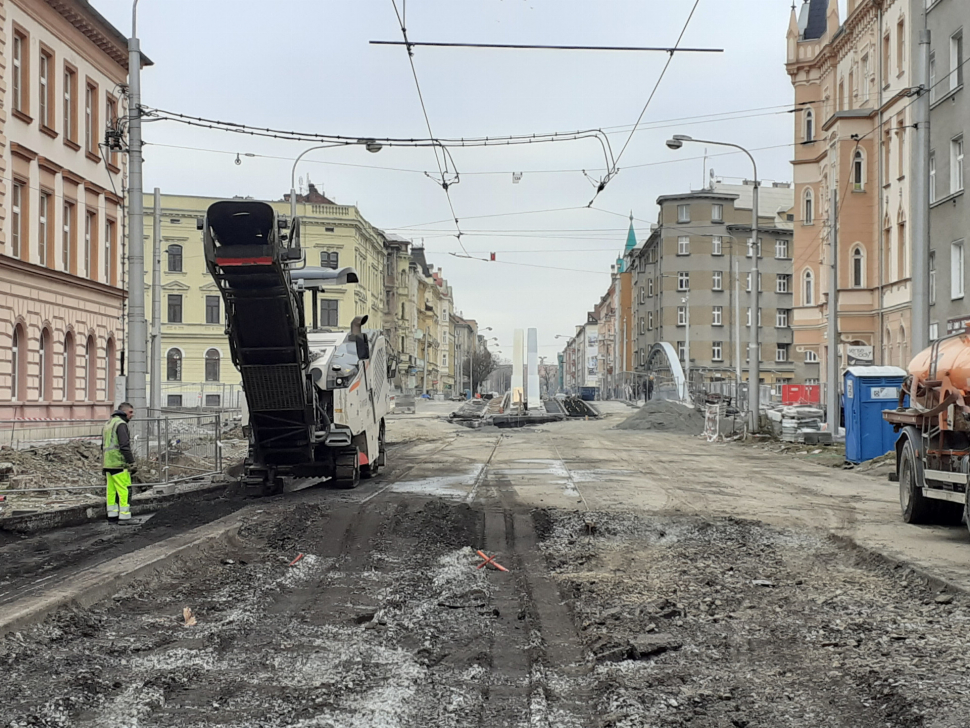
(77, 462)
(663, 416)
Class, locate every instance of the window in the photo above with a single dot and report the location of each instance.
(90, 99)
(45, 91)
(173, 400)
(716, 313)
(717, 245)
(808, 212)
(716, 281)
(887, 156)
(783, 283)
(858, 268)
(956, 164)
(886, 57)
(683, 281)
(328, 259)
(932, 285)
(760, 280)
(811, 357)
(781, 352)
(683, 245)
(650, 320)
(109, 251)
(17, 236)
(808, 288)
(67, 237)
(683, 213)
(90, 370)
(175, 308)
(956, 60)
(809, 126)
(934, 332)
(681, 350)
(18, 364)
(328, 313)
(70, 104)
(68, 369)
(43, 231)
(174, 258)
(642, 299)
(19, 62)
(781, 249)
(649, 287)
(747, 319)
(750, 243)
(841, 94)
(110, 120)
(781, 318)
(900, 46)
(717, 212)
(109, 370)
(44, 372)
(717, 348)
(642, 325)
(90, 244)
(956, 269)
(213, 400)
(212, 365)
(212, 309)
(173, 366)
(858, 171)
(932, 165)
(932, 76)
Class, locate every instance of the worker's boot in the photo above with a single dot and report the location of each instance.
(112, 511)
(125, 513)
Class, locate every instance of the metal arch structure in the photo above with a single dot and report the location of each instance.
(669, 380)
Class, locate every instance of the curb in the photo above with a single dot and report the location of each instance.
(77, 515)
(94, 584)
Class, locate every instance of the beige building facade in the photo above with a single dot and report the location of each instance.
(61, 271)
(853, 135)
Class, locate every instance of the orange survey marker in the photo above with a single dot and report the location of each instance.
(489, 560)
(295, 561)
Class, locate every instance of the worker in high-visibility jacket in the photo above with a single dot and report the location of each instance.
(118, 462)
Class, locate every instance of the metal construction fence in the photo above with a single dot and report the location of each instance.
(169, 448)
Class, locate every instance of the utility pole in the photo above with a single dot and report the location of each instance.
(754, 354)
(737, 320)
(921, 194)
(832, 389)
(686, 301)
(427, 338)
(137, 325)
(155, 400)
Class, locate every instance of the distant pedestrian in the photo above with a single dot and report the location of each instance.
(650, 388)
(118, 462)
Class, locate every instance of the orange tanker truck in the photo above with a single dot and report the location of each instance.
(933, 448)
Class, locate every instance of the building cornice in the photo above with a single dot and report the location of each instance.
(60, 277)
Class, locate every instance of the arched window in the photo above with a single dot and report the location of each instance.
(18, 364)
(212, 365)
(173, 365)
(109, 371)
(902, 249)
(858, 267)
(70, 376)
(809, 126)
(44, 367)
(901, 360)
(808, 214)
(91, 370)
(858, 171)
(808, 288)
(174, 258)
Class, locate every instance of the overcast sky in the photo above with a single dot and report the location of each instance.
(307, 65)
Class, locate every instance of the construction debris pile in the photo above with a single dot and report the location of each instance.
(74, 463)
(664, 416)
(799, 424)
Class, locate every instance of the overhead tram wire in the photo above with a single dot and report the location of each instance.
(670, 57)
(532, 46)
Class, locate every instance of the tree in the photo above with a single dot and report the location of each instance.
(481, 363)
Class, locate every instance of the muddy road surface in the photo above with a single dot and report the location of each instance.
(368, 608)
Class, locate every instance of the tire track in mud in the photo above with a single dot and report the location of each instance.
(538, 663)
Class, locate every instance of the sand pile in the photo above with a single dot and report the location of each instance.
(663, 416)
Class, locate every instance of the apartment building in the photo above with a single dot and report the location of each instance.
(949, 122)
(61, 270)
(853, 134)
(692, 283)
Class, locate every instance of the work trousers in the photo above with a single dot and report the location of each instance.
(118, 484)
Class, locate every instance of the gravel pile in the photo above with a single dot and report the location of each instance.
(663, 416)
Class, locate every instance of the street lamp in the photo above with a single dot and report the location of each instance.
(371, 145)
(754, 355)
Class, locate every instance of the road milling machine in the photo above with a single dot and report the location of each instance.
(316, 397)
(933, 448)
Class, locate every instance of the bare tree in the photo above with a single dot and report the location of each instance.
(481, 363)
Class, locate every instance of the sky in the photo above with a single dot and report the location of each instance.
(308, 65)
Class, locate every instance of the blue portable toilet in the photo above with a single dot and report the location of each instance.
(867, 391)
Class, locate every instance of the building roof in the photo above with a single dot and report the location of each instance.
(772, 201)
(417, 255)
(102, 33)
(631, 237)
(815, 26)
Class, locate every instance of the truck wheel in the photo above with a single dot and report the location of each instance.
(966, 510)
(347, 469)
(915, 508)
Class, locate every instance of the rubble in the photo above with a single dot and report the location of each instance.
(665, 416)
